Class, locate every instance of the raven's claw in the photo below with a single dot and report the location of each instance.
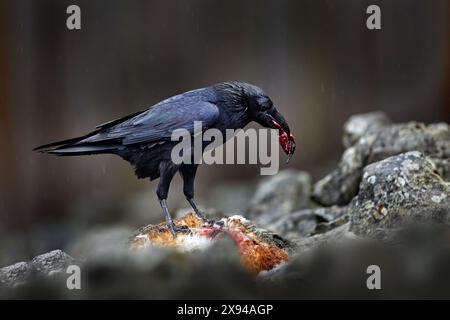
(173, 228)
(199, 213)
(206, 221)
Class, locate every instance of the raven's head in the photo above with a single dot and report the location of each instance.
(257, 106)
(263, 111)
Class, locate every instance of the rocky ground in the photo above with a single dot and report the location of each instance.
(387, 203)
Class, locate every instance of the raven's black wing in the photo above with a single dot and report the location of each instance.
(153, 125)
(158, 123)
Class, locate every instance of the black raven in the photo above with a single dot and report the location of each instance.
(144, 138)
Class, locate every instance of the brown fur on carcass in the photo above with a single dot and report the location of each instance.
(257, 253)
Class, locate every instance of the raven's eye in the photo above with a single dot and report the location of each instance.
(264, 104)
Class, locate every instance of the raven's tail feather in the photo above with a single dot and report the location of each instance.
(81, 150)
(53, 145)
(76, 147)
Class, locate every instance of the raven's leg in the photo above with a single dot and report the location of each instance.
(167, 170)
(188, 172)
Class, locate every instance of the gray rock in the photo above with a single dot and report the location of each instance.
(51, 262)
(399, 190)
(280, 195)
(341, 185)
(306, 222)
(336, 267)
(15, 274)
(361, 124)
(44, 265)
(164, 273)
(324, 227)
(341, 233)
(432, 140)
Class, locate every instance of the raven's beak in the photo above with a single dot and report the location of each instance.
(286, 138)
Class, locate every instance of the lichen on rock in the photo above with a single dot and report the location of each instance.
(399, 190)
(380, 141)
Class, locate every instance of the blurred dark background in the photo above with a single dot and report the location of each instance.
(316, 59)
